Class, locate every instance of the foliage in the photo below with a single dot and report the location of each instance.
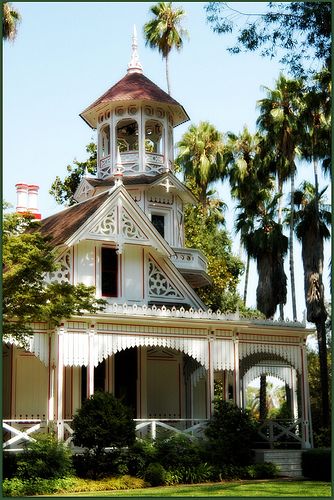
(177, 451)
(316, 464)
(200, 157)
(230, 433)
(103, 421)
(300, 31)
(10, 20)
(63, 191)
(164, 31)
(9, 464)
(44, 458)
(19, 488)
(155, 474)
(27, 297)
(203, 231)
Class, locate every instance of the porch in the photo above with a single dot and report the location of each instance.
(272, 434)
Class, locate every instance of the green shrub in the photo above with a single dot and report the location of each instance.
(231, 434)
(138, 456)
(103, 421)
(155, 474)
(19, 488)
(178, 451)
(316, 464)
(9, 464)
(266, 470)
(200, 473)
(44, 458)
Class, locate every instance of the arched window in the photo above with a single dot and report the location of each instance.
(105, 141)
(127, 135)
(153, 137)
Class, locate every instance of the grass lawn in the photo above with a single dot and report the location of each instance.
(263, 488)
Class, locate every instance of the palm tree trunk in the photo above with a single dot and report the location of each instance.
(246, 279)
(263, 397)
(280, 191)
(321, 334)
(167, 75)
(292, 269)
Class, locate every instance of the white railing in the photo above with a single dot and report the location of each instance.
(273, 432)
(152, 426)
(192, 259)
(17, 432)
(281, 431)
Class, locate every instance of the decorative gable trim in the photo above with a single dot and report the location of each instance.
(64, 272)
(120, 220)
(159, 285)
(84, 191)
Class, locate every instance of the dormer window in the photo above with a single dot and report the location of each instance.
(158, 222)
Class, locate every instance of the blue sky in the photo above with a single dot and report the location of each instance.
(68, 54)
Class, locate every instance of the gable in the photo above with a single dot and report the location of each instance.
(121, 221)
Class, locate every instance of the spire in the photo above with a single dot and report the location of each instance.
(134, 65)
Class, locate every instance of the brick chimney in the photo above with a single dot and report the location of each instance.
(27, 195)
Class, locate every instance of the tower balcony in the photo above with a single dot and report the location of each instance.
(193, 265)
(153, 164)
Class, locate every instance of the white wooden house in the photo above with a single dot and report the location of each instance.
(156, 345)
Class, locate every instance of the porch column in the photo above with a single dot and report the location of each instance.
(60, 378)
(211, 388)
(90, 370)
(52, 378)
(236, 375)
(294, 399)
(305, 400)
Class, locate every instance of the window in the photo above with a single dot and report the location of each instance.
(109, 272)
(153, 137)
(158, 222)
(127, 135)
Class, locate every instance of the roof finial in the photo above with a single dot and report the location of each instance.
(134, 65)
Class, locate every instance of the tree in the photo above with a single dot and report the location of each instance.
(10, 20)
(280, 122)
(63, 191)
(201, 157)
(300, 31)
(103, 421)
(164, 32)
(250, 181)
(27, 297)
(313, 219)
(267, 245)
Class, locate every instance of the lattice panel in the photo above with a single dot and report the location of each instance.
(160, 285)
(63, 273)
(105, 168)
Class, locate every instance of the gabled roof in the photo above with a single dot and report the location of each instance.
(80, 221)
(135, 87)
(62, 225)
(136, 180)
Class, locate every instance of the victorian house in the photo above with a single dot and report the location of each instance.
(155, 345)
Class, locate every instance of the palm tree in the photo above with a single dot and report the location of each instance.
(313, 219)
(250, 182)
(280, 121)
(267, 245)
(10, 20)
(164, 32)
(201, 157)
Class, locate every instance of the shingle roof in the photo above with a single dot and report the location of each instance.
(63, 224)
(135, 86)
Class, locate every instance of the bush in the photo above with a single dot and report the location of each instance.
(231, 434)
(155, 474)
(190, 475)
(178, 451)
(19, 488)
(9, 464)
(316, 464)
(44, 458)
(103, 421)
